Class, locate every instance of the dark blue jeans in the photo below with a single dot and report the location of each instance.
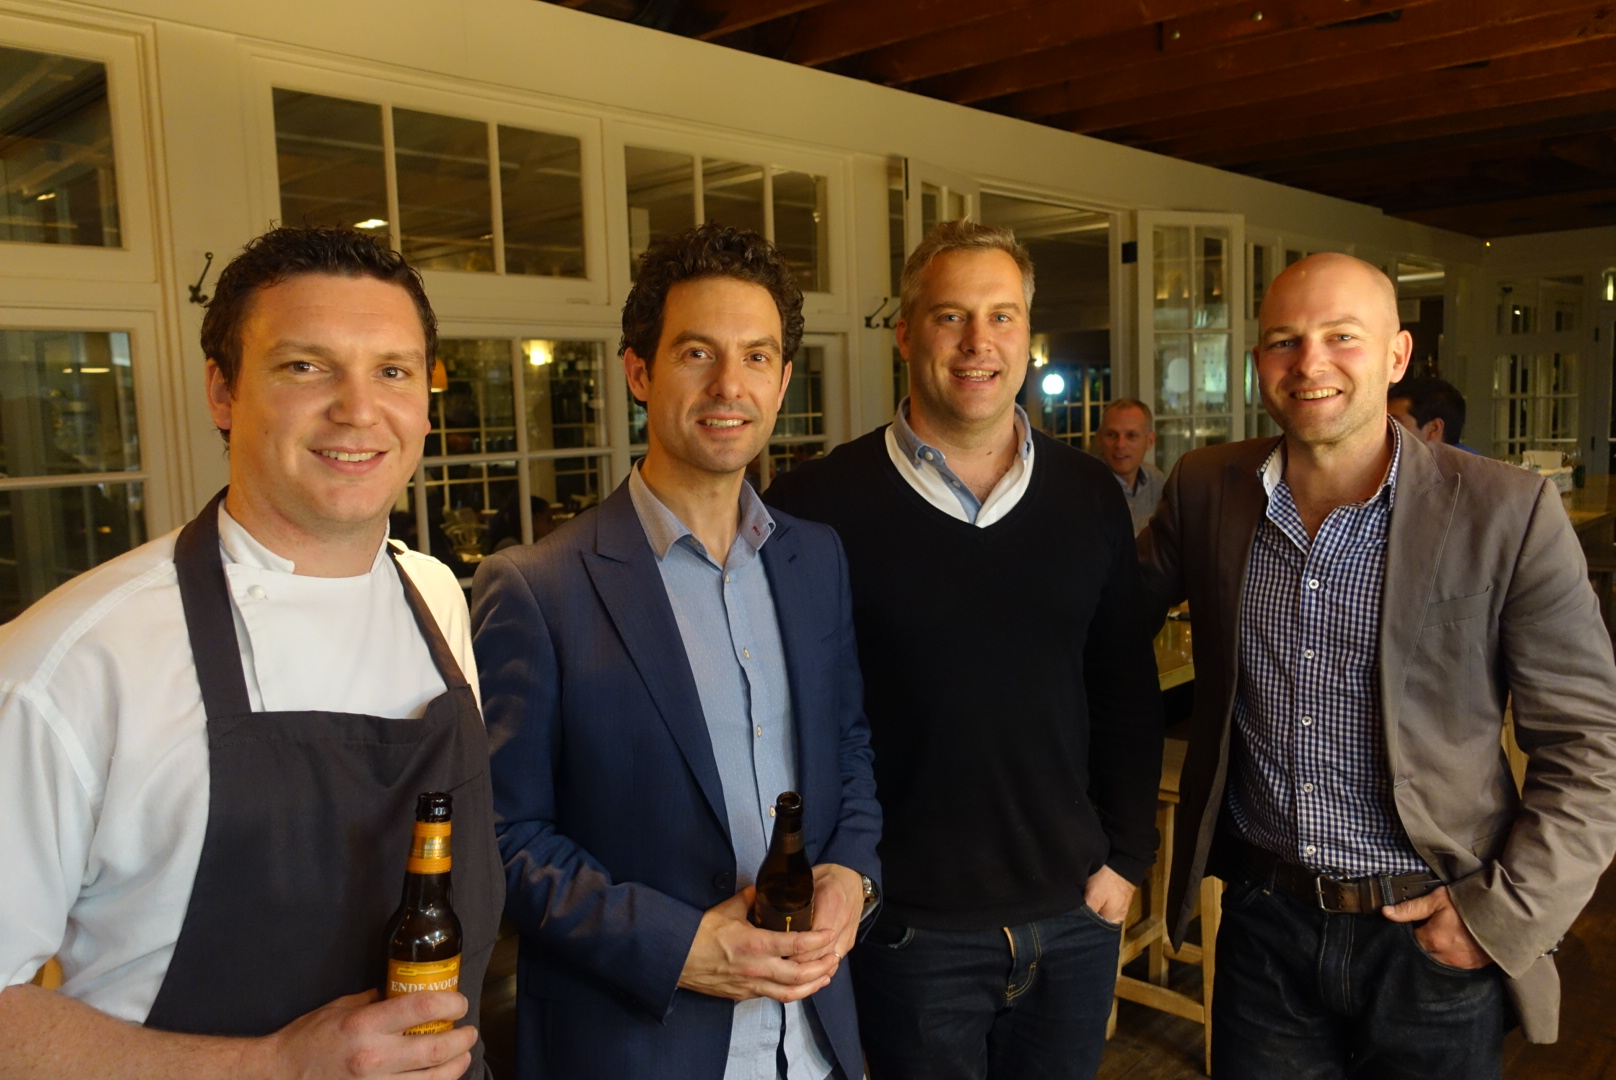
(1301, 994)
(1023, 1002)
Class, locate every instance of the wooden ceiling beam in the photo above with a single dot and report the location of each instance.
(1562, 116)
(1541, 76)
(1514, 217)
(1373, 179)
(740, 15)
(1053, 25)
(1438, 35)
(1017, 72)
(849, 27)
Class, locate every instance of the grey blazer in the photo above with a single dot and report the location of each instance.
(1486, 597)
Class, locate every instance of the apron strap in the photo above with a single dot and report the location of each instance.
(205, 596)
(442, 655)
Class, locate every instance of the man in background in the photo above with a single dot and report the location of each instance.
(1431, 408)
(1010, 685)
(1127, 437)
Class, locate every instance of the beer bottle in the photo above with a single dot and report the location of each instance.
(423, 938)
(785, 881)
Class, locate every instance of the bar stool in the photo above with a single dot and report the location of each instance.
(1147, 932)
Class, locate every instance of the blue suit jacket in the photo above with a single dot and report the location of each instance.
(607, 800)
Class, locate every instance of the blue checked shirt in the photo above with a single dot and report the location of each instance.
(731, 636)
(1309, 779)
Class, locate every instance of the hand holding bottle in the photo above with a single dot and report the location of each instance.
(731, 958)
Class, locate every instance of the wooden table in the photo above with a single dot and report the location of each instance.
(1592, 506)
(1175, 661)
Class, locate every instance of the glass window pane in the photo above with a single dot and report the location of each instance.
(1212, 373)
(801, 225)
(568, 485)
(661, 197)
(636, 421)
(803, 411)
(1173, 440)
(333, 170)
(67, 403)
(49, 535)
(895, 248)
(476, 412)
(1173, 374)
(562, 385)
(1259, 277)
(1211, 278)
(930, 196)
(541, 192)
(732, 194)
(1071, 249)
(783, 456)
(444, 198)
(1172, 290)
(462, 502)
(56, 161)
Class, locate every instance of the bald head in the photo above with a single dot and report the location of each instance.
(1330, 271)
(1330, 345)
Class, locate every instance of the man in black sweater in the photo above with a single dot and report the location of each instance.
(1010, 686)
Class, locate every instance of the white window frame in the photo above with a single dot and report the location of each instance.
(453, 291)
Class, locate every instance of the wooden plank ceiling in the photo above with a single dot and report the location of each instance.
(1487, 117)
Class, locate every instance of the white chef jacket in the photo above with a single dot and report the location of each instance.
(103, 739)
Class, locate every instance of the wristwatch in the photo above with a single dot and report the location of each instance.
(872, 897)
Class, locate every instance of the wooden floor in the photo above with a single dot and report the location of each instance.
(1154, 1046)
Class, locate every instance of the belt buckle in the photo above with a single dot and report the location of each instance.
(1318, 894)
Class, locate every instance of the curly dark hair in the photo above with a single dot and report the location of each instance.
(708, 251)
(287, 252)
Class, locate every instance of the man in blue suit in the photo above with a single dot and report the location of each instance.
(654, 673)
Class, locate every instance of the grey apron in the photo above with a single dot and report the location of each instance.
(309, 823)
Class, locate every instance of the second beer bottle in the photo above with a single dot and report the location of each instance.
(785, 881)
(423, 939)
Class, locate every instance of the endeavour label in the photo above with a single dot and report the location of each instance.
(429, 854)
(404, 977)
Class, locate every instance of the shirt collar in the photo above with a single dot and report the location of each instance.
(916, 452)
(663, 528)
(1272, 471)
(244, 549)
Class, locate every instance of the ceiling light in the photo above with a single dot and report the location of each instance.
(1054, 385)
(370, 223)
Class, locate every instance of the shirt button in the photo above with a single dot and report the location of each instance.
(257, 592)
(1307, 789)
(928, 455)
(758, 731)
(1307, 721)
(1313, 583)
(726, 579)
(771, 811)
(1310, 850)
(1307, 654)
(747, 653)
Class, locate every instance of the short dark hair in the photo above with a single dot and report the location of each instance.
(288, 252)
(708, 251)
(1430, 398)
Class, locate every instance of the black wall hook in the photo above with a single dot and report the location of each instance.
(870, 319)
(196, 290)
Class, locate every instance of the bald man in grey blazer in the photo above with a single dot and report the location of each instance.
(1366, 606)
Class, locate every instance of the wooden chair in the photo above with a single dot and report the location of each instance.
(1147, 927)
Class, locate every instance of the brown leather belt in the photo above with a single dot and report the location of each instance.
(1338, 896)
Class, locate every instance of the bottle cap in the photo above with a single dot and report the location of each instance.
(434, 806)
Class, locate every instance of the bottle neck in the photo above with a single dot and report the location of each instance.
(788, 831)
(427, 891)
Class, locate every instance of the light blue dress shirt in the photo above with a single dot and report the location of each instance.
(731, 637)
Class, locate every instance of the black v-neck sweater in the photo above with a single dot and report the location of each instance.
(1009, 682)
